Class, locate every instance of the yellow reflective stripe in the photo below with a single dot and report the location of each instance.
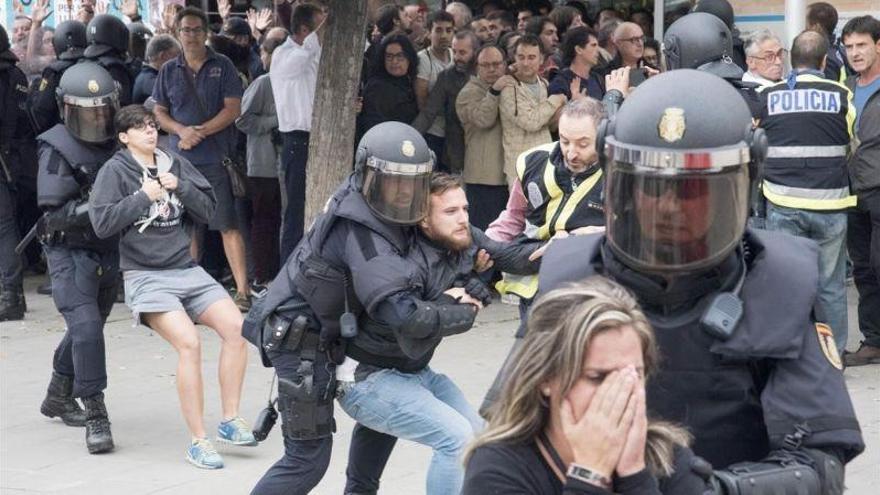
(525, 286)
(850, 112)
(556, 199)
(809, 204)
(579, 194)
(521, 159)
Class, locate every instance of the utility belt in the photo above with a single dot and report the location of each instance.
(292, 332)
(305, 398)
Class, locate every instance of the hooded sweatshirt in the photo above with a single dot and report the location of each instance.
(154, 236)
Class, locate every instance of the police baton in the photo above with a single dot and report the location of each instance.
(7, 173)
(28, 237)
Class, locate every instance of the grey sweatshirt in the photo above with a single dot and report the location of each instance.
(154, 236)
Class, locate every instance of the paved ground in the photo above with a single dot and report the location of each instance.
(38, 455)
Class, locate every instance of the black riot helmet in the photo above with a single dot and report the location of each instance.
(394, 166)
(139, 36)
(677, 158)
(88, 98)
(701, 41)
(4, 40)
(719, 8)
(106, 34)
(70, 40)
(5, 52)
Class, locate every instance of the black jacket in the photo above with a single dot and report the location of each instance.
(387, 98)
(864, 163)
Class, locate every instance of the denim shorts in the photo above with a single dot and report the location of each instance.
(179, 289)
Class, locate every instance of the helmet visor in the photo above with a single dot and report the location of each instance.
(397, 197)
(675, 223)
(90, 119)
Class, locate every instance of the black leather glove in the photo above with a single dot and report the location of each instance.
(478, 290)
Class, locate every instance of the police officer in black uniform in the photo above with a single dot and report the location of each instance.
(108, 39)
(17, 150)
(703, 42)
(312, 305)
(69, 42)
(745, 365)
(83, 268)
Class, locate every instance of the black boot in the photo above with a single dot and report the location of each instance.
(12, 306)
(58, 402)
(98, 436)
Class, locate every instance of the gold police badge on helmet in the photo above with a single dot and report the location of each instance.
(93, 86)
(672, 124)
(408, 149)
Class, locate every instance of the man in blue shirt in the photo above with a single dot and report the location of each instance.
(198, 97)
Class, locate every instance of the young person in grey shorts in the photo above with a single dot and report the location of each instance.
(152, 196)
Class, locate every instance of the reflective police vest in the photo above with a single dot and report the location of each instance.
(809, 124)
(554, 204)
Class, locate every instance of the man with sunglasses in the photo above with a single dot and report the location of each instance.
(746, 366)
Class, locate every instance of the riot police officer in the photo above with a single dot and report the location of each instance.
(108, 39)
(17, 150)
(311, 307)
(745, 366)
(703, 42)
(82, 267)
(69, 43)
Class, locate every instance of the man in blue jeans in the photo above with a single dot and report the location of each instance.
(385, 382)
(809, 123)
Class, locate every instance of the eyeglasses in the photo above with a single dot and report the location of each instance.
(769, 56)
(149, 124)
(491, 65)
(193, 31)
(391, 57)
(635, 39)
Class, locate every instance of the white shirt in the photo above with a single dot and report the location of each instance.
(751, 77)
(294, 75)
(429, 68)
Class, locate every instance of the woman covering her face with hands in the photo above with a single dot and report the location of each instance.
(572, 418)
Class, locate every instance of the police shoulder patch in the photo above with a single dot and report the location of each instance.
(829, 348)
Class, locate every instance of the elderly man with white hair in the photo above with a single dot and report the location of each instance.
(765, 57)
(461, 13)
(629, 39)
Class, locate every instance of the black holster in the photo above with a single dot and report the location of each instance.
(306, 401)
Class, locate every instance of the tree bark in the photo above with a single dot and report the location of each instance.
(331, 144)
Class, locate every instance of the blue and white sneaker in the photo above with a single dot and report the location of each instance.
(236, 432)
(202, 454)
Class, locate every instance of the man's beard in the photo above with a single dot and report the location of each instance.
(454, 243)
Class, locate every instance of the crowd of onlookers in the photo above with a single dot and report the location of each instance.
(482, 84)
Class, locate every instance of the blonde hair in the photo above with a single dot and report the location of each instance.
(561, 326)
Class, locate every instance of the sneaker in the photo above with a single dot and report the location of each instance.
(236, 432)
(202, 454)
(258, 290)
(243, 302)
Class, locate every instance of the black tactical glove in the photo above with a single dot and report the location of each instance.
(478, 290)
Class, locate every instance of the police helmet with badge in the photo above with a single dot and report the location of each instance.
(70, 40)
(88, 99)
(394, 166)
(678, 189)
(701, 41)
(106, 34)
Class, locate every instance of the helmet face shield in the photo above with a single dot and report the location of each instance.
(89, 119)
(672, 223)
(397, 192)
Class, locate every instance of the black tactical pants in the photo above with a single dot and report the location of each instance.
(10, 263)
(84, 290)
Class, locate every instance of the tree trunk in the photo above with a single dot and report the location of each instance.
(331, 144)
